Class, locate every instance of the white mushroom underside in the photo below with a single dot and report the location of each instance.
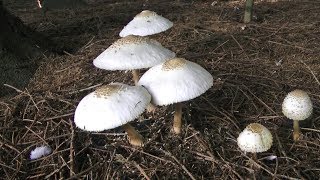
(133, 56)
(177, 85)
(297, 107)
(144, 26)
(99, 113)
(255, 142)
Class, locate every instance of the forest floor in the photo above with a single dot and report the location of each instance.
(254, 66)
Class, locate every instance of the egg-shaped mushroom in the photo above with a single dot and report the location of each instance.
(297, 106)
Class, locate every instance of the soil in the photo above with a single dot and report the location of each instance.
(254, 66)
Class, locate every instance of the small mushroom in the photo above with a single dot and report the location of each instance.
(133, 53)
(255, 138)
(175, 81)
(111, 106)
(297, 106)
(146, 23)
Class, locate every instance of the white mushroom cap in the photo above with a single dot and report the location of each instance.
(146, 23)
(133, 52)
(176, 80)
(297, 105)
(255, 138)
(111, 106)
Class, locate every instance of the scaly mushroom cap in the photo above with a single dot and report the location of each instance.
(111, 106)
(176, 80)
(255, 138)
(146, 23)
(297, 105)
(133, 52)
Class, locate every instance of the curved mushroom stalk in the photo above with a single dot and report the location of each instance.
(134, 137)
(135, 76)
(296, 130)
(177, 118)
(151, 108)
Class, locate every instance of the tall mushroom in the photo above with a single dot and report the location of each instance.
(175, 81)
(146, 23)
(297, 106)
(111, 106)
(133, 53)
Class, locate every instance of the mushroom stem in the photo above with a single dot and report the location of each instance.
(254, 156)
(151, 108)
(177, 118)
(296, 130)
(134, 137)
(135, 76)
(254, 165)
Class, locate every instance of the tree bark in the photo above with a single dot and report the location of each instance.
(248, 11)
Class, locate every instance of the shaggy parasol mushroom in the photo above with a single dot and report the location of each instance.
(297, 106)
(132, 53)
(146, 23)
(255, 138)
(111, 106)
(175, 81)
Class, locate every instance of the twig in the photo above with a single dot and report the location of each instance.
(23, 92)
(240, 46)
(87, 44)
(72, 170)
(288, 45)
(285, 155)
(141, 170)
(269, 172)
(37, 135)
(310, 129)
(182, 166)
(314, 76)
(156, 157)
(67, 53)
(85, 89)
(60, 116)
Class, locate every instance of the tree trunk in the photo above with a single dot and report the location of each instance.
(20, 51)
(248, 11)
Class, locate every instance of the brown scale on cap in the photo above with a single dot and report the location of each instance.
(146, 13)
(298, 93)
(255, 128)
(173, 64)
(131, 39)
(107, 90)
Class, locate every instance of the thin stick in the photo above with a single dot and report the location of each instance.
(85, 89)
(135, 76)
(182, 166)
(314, 76)
(153, 156)
(72, 169)
(141, 170)
(296, 130)
(177, 118)
(134, 137)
